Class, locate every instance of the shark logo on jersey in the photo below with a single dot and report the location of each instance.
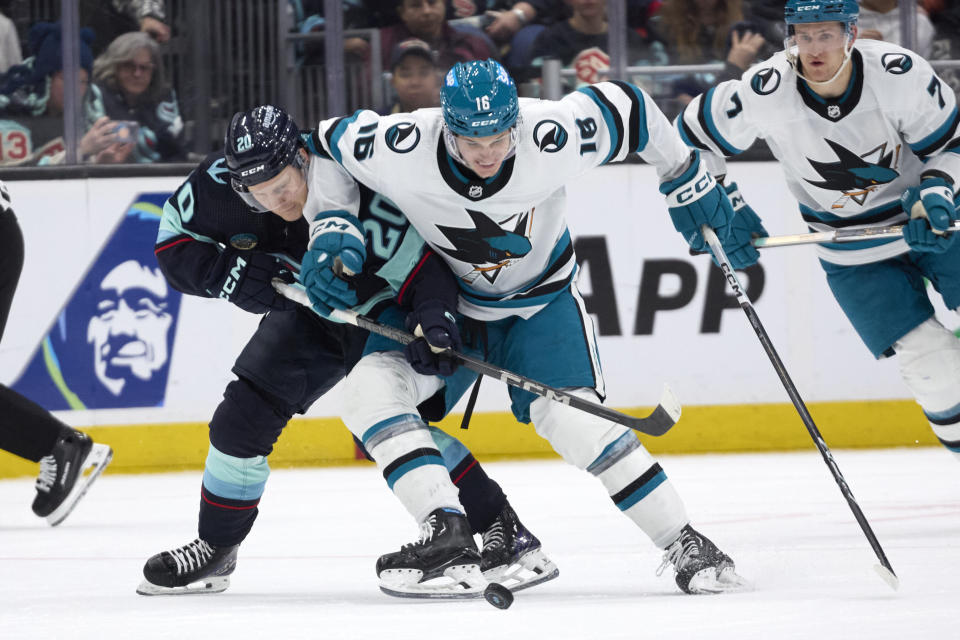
(549, 136)
(854, 175)
(896, 63)
(403, 137)
(486, 245)
(765, 82)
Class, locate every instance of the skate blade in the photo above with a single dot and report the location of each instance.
(217, 584)
(533, 568)
(93, 465)
(707, 581)
(458, 582)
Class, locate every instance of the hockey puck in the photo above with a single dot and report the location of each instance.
(498, 595)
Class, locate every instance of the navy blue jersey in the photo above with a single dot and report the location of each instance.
(205, 224)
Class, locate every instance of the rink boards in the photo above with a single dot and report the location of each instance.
(96, 335)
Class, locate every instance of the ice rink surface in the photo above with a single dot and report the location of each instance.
(307, 569)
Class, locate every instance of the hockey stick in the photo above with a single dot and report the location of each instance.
(656, 424)
(884, 568)
(838, 235)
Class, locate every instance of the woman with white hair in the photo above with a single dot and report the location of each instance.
(130, 76)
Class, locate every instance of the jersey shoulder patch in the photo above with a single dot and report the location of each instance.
(767, 77)
(766, 81)
(402, 137)
(549, 135)
(896, 62)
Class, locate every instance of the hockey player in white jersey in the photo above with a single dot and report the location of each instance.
(866, 134)
(482, 179)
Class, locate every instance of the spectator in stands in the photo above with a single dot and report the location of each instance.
(130, 78)
(703, 31)
(581, 42)
(110, 18)
(10, 53)
(415, 77)
(880, 20)
(31, 106)
(425, 19)
(766, 16)
(945, 16)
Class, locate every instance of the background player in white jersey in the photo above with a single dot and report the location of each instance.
(482, 179)
(867, 135)
(233, 226)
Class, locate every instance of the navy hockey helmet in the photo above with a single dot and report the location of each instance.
(479, 98)
(259, 144)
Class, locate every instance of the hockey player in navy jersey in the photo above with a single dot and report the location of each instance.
(866, 134)
(228, 231)
(482, 179)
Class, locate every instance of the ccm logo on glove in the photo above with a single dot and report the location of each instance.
(230, 283)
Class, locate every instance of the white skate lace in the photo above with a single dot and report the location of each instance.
(679, 552)
(427, 529)
(191, 556)
(48, 474)
(493, 537)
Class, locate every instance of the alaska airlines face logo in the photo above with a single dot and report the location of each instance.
(403, 137)
(765, 82)
(549, 136)
(853, 175)
(487, 246)
(896, 63)
(109, 347)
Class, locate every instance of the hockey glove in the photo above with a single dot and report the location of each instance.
(931, 210)
(336, 251)
(694, 199)
(746, 226)
(248, 283)
(436, 329)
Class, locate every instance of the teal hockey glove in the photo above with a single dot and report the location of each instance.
(746, 226)
(694, 199)
(931, 210)
(336, 249)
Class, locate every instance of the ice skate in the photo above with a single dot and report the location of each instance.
(443, 563)
(512, 556)
(701, 567)
(67, 473)
(198, 567)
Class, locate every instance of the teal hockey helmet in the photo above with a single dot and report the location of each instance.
(479, 98)
(804, 11)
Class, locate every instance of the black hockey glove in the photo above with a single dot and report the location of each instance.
(436, 329)
(248, 282)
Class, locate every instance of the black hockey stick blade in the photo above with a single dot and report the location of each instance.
(661, 420)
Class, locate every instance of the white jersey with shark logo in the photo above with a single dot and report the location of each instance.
(504, 237)
(847, 160)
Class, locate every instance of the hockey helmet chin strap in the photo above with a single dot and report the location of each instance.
(792, 49)
(450, 142)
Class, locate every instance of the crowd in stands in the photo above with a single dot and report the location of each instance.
(130, 113)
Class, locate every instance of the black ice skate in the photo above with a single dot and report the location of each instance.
(198, 567)
(443, 563)
(701, 567)
(512, 556)
(67, 473)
